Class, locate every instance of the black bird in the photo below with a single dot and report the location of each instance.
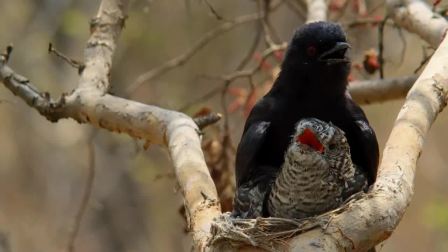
(318, 174)
(312, 83)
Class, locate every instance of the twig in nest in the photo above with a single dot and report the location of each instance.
(74, 63)
(204, 121)
(268, 233)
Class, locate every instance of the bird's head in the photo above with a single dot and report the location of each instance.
(318, 44)
(315, 137)
(318, 50)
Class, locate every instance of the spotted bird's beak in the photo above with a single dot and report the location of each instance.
(336, 54)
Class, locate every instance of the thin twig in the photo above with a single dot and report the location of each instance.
(297, 8)
(254, 44)
(184, 57)
(362, 22)
(7, 53)
(342, 11)
(22, 87)
(425, 60)
(375, 8)
(403, 41)
(229, 78)
(202, 42)
(381, 45)
(86, 195)
(213, 10)
(74, 63)
(271, 37)
(204, 121)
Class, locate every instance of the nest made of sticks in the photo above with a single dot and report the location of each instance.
(271, 234)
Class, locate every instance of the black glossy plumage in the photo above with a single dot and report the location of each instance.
(312, 83)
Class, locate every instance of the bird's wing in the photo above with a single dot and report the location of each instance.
(251, 141)
(254, 136)
(367, 143)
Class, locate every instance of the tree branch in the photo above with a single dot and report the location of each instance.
(203, 41)
(184, 57)
(362, 223)
(372, 91)
(417, 17)
(90, 103)
(317, 10)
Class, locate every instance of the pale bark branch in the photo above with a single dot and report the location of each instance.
(417, 17)
(317, 10)
(374, 91)
(90, 103)
(362, 224)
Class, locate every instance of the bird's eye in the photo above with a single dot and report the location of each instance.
(311, 51)
(332, 146)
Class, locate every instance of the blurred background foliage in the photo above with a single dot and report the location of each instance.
(135, 204)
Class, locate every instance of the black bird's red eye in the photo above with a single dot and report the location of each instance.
(311, 51)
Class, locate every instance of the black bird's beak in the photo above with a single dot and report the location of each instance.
(336, 54)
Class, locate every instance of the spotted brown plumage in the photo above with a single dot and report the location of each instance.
(318, 173)
(312, 84)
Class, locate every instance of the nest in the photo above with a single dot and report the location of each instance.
(271, 234)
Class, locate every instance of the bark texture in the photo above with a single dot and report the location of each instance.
(358, 226)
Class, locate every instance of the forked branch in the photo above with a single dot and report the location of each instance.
(362, 224)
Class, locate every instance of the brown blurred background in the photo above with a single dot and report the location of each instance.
(135, 204)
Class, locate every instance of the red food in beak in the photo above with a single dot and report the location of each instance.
(309, 138)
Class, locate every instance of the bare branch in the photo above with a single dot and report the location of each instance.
(297, 7)
(74, 63)
(363, 92)
(229, 78)
(361, 22)
(204, 121)
(7, 53)
(105, 29)
(203, 41)
(250, 72)
(213, 10)
(23, 88)
(317, 10)
(90, 103)
(381, 45)
(373, 91)
(416, 16)
(184, 57)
